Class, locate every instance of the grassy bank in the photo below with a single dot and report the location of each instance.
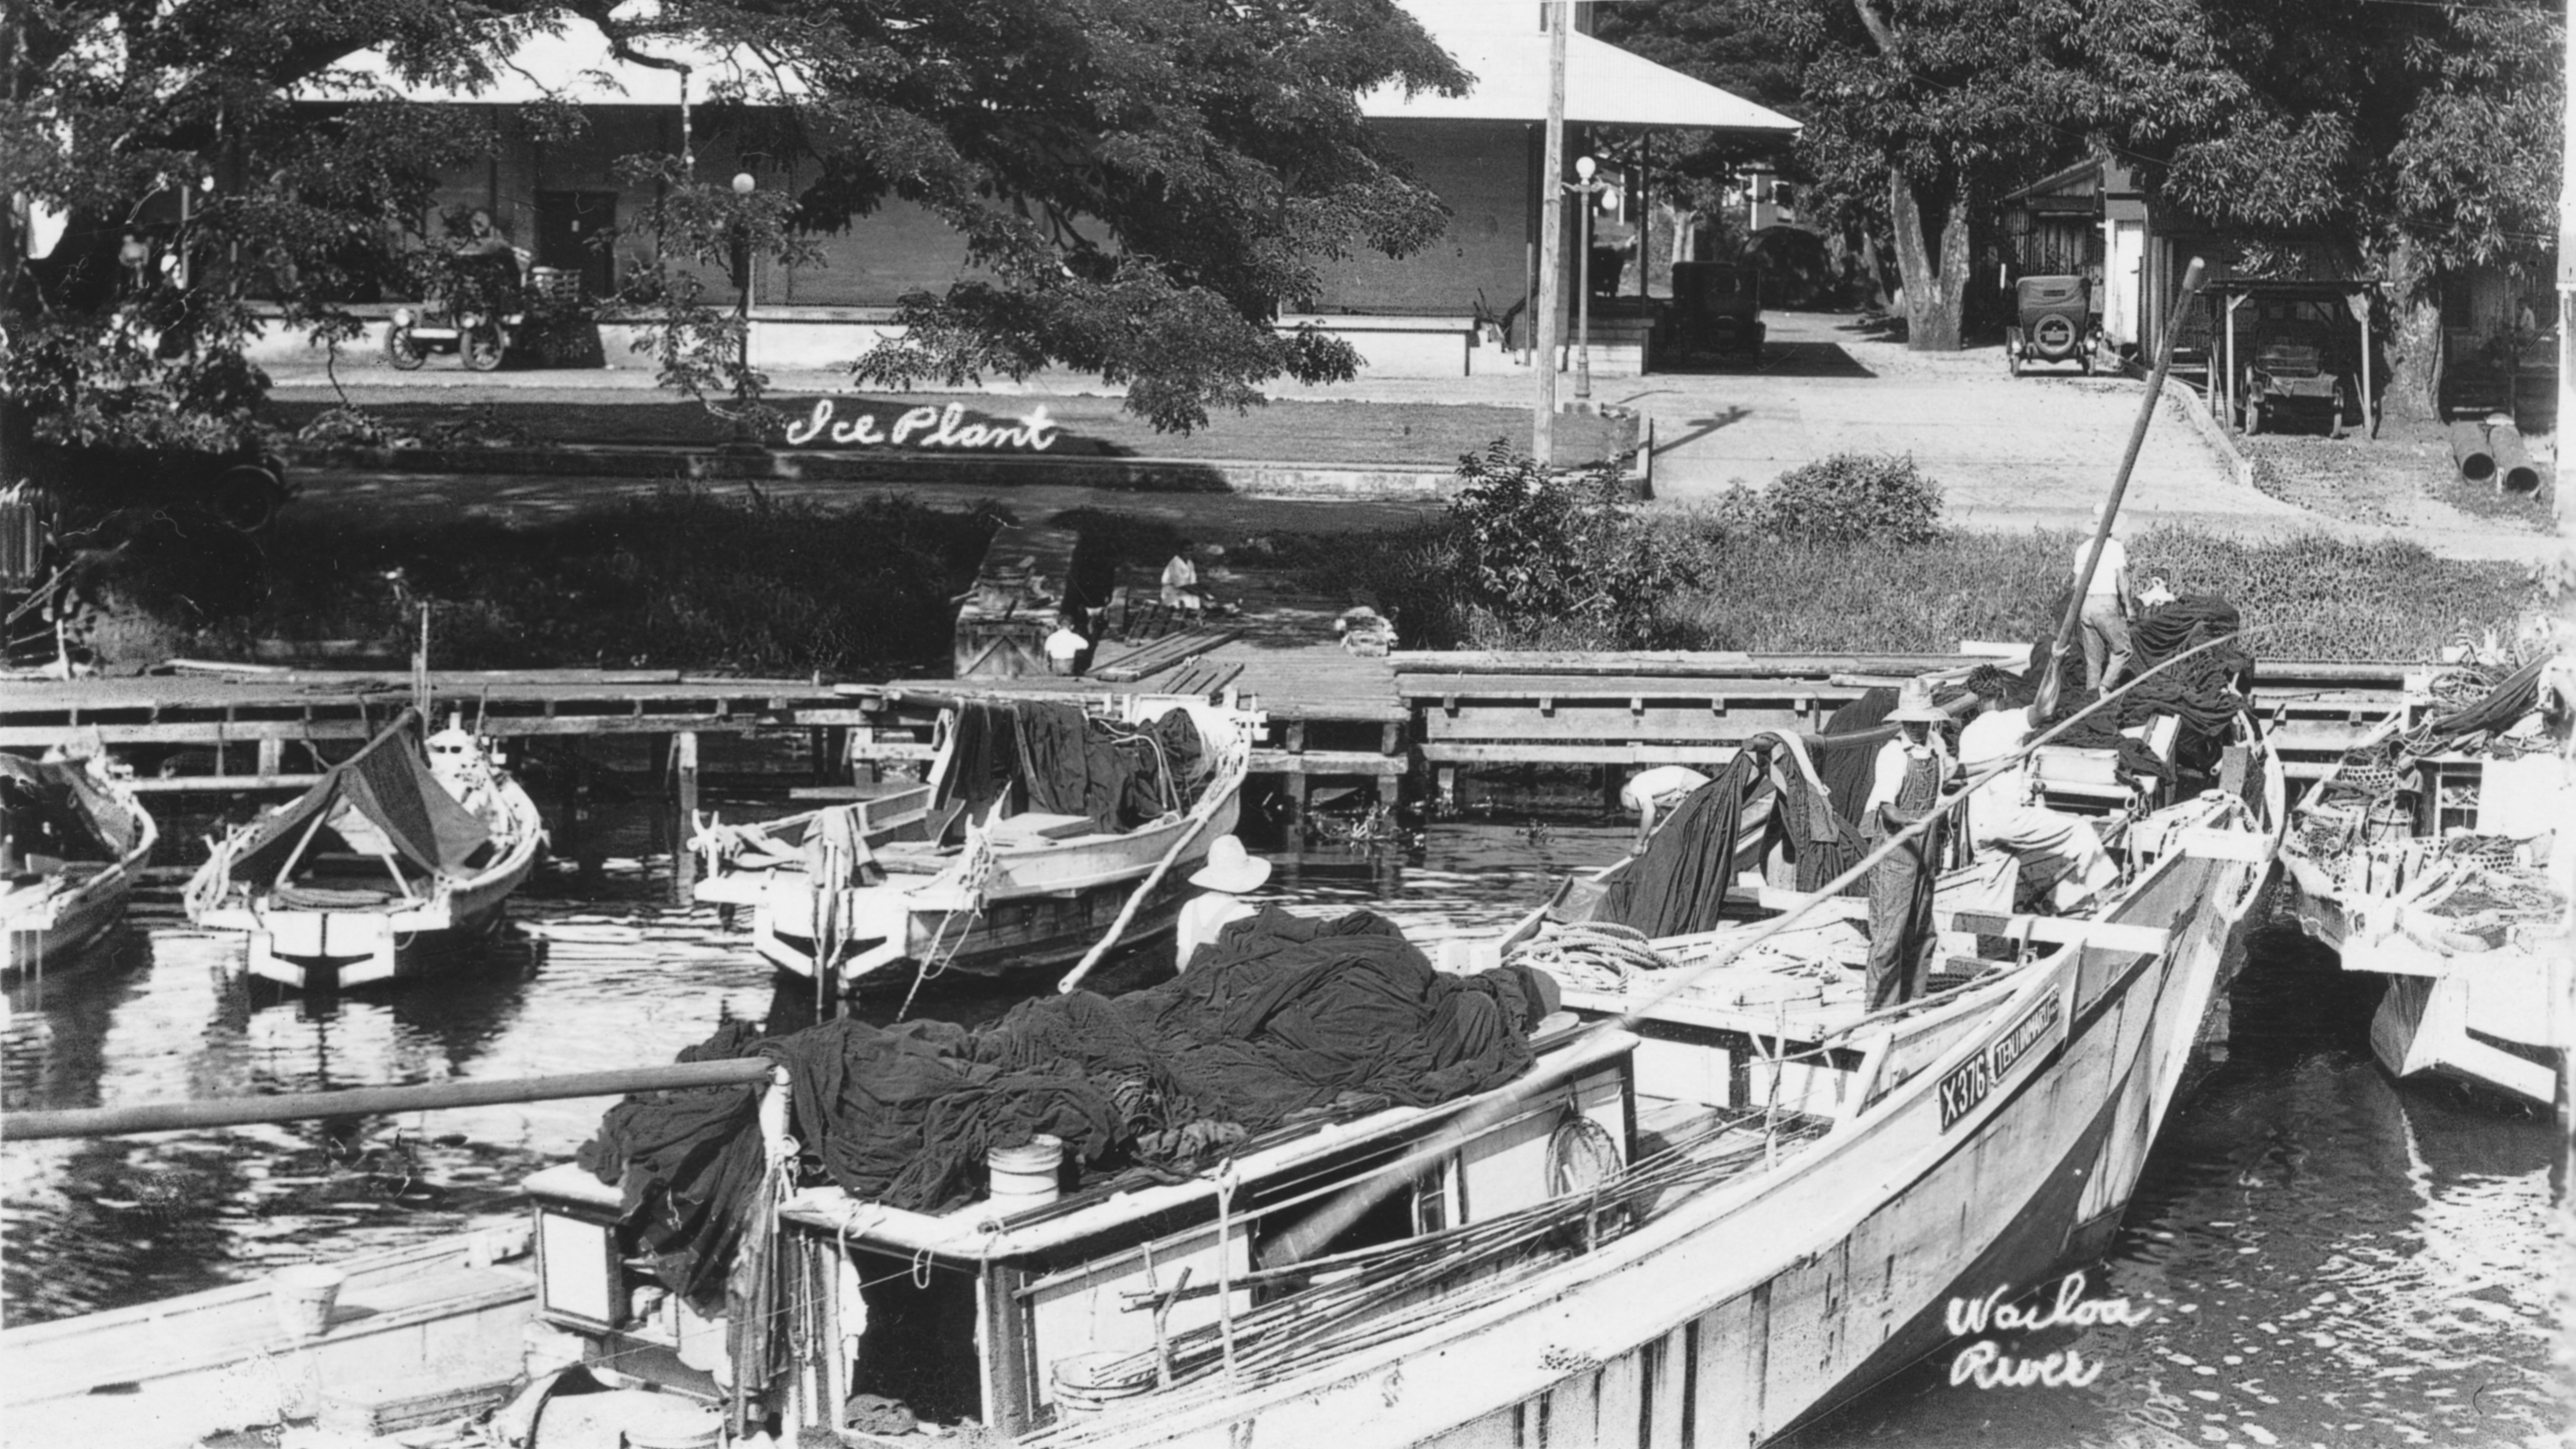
(1341, 432)
(682, 579)
(742, 583)
(2310, 598)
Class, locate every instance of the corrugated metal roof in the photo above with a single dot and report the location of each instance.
(1502, 47)
(1499, 45)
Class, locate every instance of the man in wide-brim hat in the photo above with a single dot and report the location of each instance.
(1906, 784)
(1230, 874)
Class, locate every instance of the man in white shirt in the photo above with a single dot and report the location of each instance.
(2109, 603)
(1907, 782)
(2050, 845)
(1652, 792)
(1230, 874)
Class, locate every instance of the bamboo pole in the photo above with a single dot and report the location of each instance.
(1218, 791)
(2050, 685)
(374, 1101)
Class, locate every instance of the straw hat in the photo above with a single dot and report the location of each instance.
(1230, 868)
(1914, 702)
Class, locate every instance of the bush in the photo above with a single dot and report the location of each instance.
(1850, 497)
(1540, 549)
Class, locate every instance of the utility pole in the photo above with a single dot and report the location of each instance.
(1551, 236)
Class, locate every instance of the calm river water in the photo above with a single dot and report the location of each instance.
(2322, 1257)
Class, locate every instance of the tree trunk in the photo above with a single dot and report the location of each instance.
(1935, 281)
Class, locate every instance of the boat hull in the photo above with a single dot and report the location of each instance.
(1863, 1240)
(444, 1316)
(51, 938)
(1043, 909)
(332, 950)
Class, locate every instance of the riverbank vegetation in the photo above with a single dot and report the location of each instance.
(1843, 555)
(1847, 554)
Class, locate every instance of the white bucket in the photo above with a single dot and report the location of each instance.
(303, 1296)
(1025, 1177)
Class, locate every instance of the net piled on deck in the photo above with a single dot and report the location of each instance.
(1053, 757)
(1283, 1019)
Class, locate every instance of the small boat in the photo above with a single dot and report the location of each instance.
(73, 837)
(2437, 854)
(413, 1336)
(991, 865)
(408, 846)
(1724, 1198)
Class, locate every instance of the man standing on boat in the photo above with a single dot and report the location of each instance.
(1906, 783)
(1231, 873)
(2110, 602)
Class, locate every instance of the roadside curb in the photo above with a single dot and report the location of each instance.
(1247, 477)
(2195, 410)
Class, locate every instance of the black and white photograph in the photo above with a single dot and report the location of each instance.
(1287, 724)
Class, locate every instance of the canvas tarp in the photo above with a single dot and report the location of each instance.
(388, 784)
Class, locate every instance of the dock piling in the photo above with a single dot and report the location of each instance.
(684, 772)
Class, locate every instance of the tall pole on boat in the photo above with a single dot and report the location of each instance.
(375, 1101)
(1551, 239)
(2044, 703)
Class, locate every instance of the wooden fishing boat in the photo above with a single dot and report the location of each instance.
(73, 838)
(1705, 1215)
(407, 847)
(2436, 855)
(413, 1336)
(958, 875)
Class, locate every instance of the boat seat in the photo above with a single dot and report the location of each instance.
(1036, 826)
(2083, 777)
(300, 897)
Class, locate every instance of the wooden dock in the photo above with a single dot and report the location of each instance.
(1332, 715)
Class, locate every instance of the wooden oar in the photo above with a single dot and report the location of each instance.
(374, 1101)
(1218, 791)
(2044, 702)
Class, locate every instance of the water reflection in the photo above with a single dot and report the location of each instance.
(2330, 1258)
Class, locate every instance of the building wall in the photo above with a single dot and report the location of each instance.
(1482, 170)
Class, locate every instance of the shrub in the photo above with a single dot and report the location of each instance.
(1853, 496)
(1538, 548)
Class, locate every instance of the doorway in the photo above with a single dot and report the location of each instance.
(574, 232)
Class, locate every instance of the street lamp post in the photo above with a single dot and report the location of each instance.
(1587, 188)
(743, 185)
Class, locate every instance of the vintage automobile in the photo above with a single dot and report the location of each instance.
(241, 487)
(1717, 310)
(2053, 322)
(476, 306)
(2287, 354)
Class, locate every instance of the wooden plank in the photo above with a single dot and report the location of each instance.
(1456, 753)
(1328, 762)
(1605, 724)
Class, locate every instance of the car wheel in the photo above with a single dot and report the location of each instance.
(480, 347)
(401, 351)
(2253, 418)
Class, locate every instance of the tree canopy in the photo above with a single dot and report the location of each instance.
(2422, 136)
(1139, 184)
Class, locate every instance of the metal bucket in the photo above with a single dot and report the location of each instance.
(303, 1296)
(1024, 1177)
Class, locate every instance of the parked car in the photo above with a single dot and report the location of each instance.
(2295, 355)
(242, 487)
(1717, 310)
(2052, 322)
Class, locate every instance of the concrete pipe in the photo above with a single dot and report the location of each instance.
(2513, 470)
(2469, 447)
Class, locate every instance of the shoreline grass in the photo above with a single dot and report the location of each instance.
(750, 585)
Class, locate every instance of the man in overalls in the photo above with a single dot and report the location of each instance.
(1911, 771)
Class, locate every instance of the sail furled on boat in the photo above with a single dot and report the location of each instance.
(389, 785)
(57, 808)
(1054, 757)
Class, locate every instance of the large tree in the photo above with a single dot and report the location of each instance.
(2407, 142)
(1139, 183)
